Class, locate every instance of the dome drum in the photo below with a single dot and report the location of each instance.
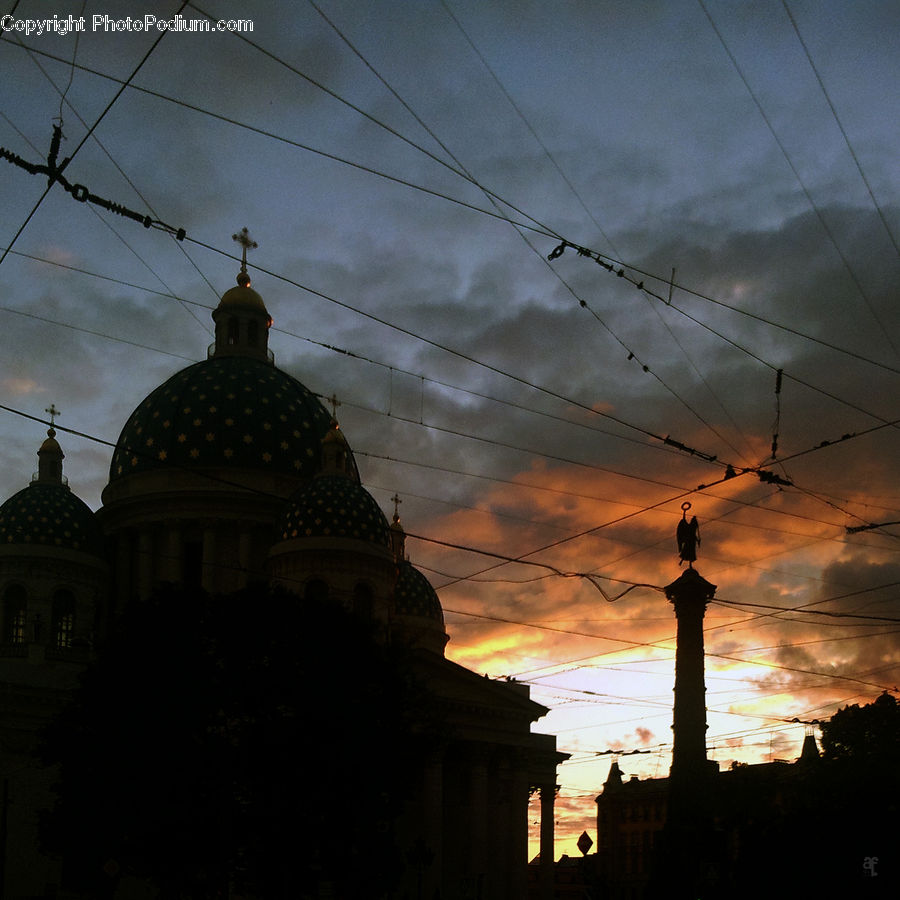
(341, 564)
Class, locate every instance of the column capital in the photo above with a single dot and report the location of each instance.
(690, 585)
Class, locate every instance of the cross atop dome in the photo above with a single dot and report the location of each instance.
(335, 403)
(247, 243)
(398, 535)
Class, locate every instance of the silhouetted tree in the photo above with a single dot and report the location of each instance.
(868, 733)
(255, 742)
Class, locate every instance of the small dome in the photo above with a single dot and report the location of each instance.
(414, 595)
(51, 445)
(338, 507)
(243, 298)
(49, 515)
(234, 412)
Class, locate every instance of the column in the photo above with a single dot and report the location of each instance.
(517, 828)
(689, 595)
(245, 562)
(144, 563)
(548, 796)
(433, 824)
(172, 564)
(478, 819)
(123, 577)
(208, 578)
(687, 860)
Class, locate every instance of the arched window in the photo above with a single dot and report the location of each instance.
(14, 604)
(233, 331)
(63, 619)
(316, 590)
(362, 601)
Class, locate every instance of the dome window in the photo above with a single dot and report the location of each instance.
(63, 619)
(234, 331)
(14, 604)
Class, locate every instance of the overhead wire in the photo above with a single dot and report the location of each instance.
(162, 351)
(340, 350)
(568, 182)
(579, 535)
(462, 170)
(262, 132)
(665, 280)
(84, 139)
(826, 228)
(840, 125)
(492, 198)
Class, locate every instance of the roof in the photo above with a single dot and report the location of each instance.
(231, 411)
(414, 595)
(49, 515)
(335, 506)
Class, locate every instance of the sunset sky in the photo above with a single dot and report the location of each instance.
(407, 168)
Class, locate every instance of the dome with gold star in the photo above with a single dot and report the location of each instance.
(414, 595)
(47, 513)
(235, 410)
(335, 506)
(229, 411)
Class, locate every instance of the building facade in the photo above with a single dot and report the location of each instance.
(231, 472)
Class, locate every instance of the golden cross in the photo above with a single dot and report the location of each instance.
(397, 501)
(335, 403)
(53, 412)
(244, 239)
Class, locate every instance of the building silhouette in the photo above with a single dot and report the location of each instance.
(229, 472)
(813, 826)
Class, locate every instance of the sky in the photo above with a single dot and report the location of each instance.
(407, 169)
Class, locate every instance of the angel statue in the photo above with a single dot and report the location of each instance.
(688, 537)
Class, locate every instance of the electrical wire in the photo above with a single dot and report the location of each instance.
(84, 139)
(813, 205)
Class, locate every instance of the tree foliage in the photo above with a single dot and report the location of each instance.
(254, 743)
(868, 733)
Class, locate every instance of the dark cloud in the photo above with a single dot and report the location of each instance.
(662, 144)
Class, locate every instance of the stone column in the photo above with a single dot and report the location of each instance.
(433, 824)
(123, 576)
(517, 827)
(244, 573)
(478, 816)
(172, 565)
(688, 860)
(548, 796)
(689, 595)
(208, 568)
(144, 563)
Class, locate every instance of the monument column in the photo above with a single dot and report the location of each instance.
(689, 594)
(688, 833)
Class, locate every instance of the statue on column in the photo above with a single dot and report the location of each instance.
(688, 537)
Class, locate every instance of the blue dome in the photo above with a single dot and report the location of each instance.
(234, 412)
(49, 515)
(335, 506)
(414, 595)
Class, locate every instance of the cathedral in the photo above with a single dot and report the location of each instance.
(230, 472)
